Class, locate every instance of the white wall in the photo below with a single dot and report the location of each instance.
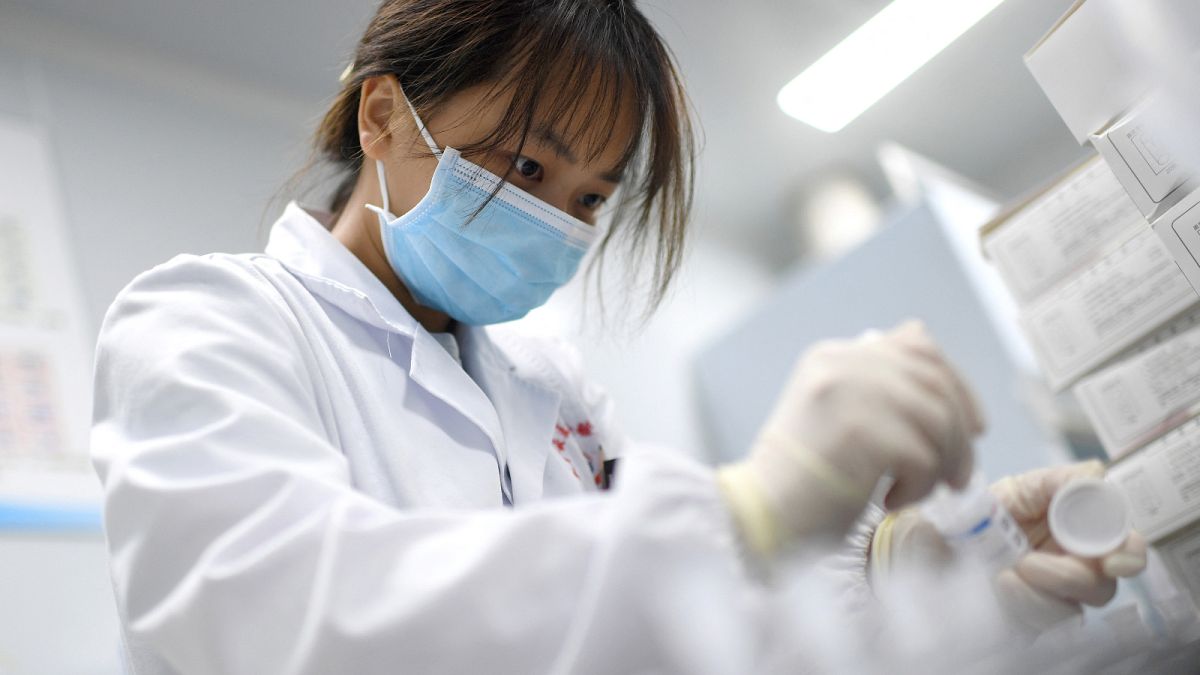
(57, 614)
(153, 158)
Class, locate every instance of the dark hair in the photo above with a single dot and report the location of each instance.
(544, 53)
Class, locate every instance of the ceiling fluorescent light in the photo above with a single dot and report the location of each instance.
(877, 57)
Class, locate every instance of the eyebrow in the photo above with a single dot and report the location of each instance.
(548, 136)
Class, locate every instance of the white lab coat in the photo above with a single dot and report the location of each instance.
(300, 479)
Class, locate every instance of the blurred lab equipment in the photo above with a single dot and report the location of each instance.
(975, 523)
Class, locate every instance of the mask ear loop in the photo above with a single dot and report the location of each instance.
(379, 173)
(433, 147)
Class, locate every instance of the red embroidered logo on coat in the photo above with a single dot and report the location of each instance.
(560, 444)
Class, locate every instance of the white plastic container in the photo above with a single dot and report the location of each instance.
(975, 523)
(1090, 517)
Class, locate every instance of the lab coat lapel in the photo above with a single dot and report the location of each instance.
(429, 365)
(440, 375)
(527, 410)
(303, 245)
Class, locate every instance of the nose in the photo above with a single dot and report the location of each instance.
(558, 196)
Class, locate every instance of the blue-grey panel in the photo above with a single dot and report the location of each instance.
(908, 270)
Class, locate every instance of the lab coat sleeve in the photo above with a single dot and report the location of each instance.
(238, 545)
(845, 570)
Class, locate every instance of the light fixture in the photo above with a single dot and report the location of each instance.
(877, 57)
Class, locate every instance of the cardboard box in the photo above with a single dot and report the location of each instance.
(1092, 64)
(1162, 482)
(1144, 166)
(1179, 230)
(1083, 68)
(1061, 229)
(1108, 308)
(1181, 553)
(1149, 392)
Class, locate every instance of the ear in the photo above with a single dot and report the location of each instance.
(377, 104)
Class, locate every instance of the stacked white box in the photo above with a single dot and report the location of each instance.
(1141, 393)
(1090, 277)
(1182, 556)
(1092, 317)
(1079, 66)
(1145, 167)
(1179, 230)
(1059, 231)
(1110, 94)
(1154, 389)
(1162, 482)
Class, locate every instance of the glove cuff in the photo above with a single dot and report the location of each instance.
(832, 478)
(747, 500)
(880, 565)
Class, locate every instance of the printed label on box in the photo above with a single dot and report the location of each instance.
(1147, 394)
(1144, 166)
(1154, 167)
(1113, 304)
(1162, 482)
(1182, 555)
(1179, 229)
(1070, 226)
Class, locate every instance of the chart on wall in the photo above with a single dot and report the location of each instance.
(45, 366)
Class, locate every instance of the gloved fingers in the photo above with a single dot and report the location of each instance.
(956, 431)
(1127, 561)
(940, 422)
(962, 393)
(1023, 503)
(928, 366)
(1032, 607)
(1027, 496)
(1067, 578)
(916, 544)
(915, 337)
(914, 466)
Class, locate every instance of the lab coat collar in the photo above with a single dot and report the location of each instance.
(301, 241)
(505, 400)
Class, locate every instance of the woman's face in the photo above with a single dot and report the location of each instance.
(559, 174)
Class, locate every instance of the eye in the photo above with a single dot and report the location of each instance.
(527, 168)
(592, 201)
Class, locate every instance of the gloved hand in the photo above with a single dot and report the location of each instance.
(1047, 585)
(851, 413)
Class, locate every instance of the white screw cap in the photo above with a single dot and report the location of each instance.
(1090, 517)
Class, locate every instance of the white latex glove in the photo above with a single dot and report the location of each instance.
(1049, 585)
(1046, 586)
(851, 413)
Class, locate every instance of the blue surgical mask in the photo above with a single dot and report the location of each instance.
(479, 254)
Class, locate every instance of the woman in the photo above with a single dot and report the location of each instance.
(317, 459)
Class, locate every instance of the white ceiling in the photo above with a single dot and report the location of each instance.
(974, 108)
